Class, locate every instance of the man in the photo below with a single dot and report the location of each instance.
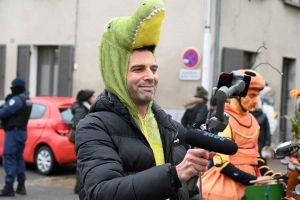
(231, 174)
(127, 146)
(14, 116)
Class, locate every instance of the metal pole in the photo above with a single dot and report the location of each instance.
(206, 47)
(217, 42)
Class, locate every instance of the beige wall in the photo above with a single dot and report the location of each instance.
(182, 28)
(248, 25)
(33, 22)
(244, 25)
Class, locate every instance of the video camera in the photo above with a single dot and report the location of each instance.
(230, 85)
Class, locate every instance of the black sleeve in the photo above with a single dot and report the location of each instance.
(183, 120)
(238, 175)
(201, 114)
(80, 113)
(267, 132)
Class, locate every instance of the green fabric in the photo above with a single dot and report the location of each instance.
(150, 129)
(262, 192)
(121, 36)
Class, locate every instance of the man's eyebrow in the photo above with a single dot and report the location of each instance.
(142, 65)
(138, 65)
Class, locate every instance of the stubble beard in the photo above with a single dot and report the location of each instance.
(145, 96)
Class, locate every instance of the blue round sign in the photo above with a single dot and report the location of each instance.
(190, 58)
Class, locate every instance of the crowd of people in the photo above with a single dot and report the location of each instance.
(128, 147)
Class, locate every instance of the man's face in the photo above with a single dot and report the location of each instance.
(142, 78)
(249, 102)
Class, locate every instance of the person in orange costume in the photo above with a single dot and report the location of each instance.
(230, 175)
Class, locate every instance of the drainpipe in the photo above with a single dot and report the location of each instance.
(206, 47)
(217, 42)
(75, 36)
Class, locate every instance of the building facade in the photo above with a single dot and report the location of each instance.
(54, 45)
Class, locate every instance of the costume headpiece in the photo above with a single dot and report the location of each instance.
(121, 36)
(257, 81)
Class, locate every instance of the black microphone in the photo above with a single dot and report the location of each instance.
(210, 142)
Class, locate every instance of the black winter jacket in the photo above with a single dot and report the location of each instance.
(115, 161)
(79, 112)
(264, 132)
(196, 115)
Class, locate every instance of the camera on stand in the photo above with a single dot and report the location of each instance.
(230, 85)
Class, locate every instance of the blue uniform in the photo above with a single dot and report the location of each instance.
(14, 143)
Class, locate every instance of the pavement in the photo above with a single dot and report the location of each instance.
(276, 166)
(60, 185)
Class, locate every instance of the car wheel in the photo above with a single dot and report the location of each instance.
(44, 160)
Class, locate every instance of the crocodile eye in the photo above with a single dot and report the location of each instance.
(109, 26)
(144, 4)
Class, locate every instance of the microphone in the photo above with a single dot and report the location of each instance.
(210, 142)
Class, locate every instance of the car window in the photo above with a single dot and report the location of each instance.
(37, 111)
(66, 114)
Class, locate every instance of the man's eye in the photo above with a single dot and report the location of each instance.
(154, 69)
(137, 69)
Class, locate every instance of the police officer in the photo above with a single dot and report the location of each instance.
(14, 115)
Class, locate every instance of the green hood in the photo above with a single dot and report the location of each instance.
(120, 37)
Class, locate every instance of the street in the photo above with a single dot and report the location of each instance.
(58, 186)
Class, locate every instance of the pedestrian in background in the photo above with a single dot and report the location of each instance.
(15, 115)
(264, 139)
(80, 109)
(267, 100)
(196, 110)
(213, 107)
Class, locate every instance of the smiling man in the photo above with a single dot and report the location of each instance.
(142, 78)
(127, 147)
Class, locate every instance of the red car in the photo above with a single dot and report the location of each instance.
(47, 144)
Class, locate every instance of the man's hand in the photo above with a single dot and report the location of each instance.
(195, 160)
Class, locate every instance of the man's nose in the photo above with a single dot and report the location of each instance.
(149, 74)
(255, 100)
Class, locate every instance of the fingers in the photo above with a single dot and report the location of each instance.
(195, 160)
(212, 154)
(201, 153)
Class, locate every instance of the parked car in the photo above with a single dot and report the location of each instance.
(47, 144)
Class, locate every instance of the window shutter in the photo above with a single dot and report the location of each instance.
(2, 69)
(232, 59)
(65, 68)
(23, 63)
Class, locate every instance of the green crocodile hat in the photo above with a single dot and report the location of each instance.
(121, 36)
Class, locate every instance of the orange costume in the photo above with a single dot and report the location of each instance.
(229, 177)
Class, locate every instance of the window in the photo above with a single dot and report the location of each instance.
(55, 69)
(37, 111)
(66, 115)
(47, 71)
(234, 59)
